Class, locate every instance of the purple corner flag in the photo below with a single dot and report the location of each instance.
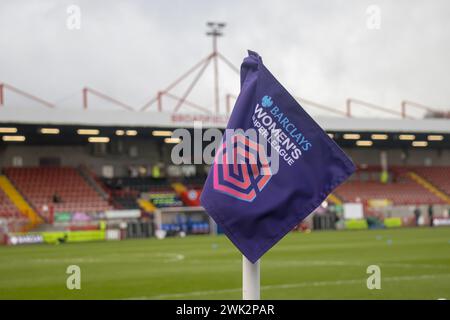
(254, 205)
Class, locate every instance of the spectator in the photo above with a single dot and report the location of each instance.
(430, 214)
(56, 198)
(417, 215)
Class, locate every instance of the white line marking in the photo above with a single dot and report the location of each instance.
(171, 257)
(152, 256)
(331, 263)
(291, 285)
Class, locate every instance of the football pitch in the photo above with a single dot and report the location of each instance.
(415, 264)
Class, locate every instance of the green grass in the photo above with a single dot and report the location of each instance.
(415, 264)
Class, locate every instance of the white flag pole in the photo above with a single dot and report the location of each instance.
(250, 280)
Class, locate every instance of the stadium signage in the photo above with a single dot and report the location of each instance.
(16, 239)
(213, 119)
(122, 214)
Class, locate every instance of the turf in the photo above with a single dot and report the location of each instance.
(415, 264)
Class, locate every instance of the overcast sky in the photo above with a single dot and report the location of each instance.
(320, 50)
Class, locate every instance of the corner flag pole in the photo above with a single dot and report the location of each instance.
(250, 280)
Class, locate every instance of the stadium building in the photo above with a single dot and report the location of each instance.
(75, 175)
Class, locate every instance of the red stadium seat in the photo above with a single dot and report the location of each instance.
(39, 185)
(402, 190)
(439, 176)
(7, 208)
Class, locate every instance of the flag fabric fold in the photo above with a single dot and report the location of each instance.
(255, 204)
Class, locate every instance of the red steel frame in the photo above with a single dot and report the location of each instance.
(405, 103)
(4, 86)
(202, 65)
(87, 90)
(369, 105)
(322, 107)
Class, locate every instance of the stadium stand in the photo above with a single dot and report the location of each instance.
(140, 184)
(80, 191)
(439, 176)
(11, 217)
(401, 189)
(7, 208)
(125, 199)
(125, 191)
(61, 187)
(194, 182)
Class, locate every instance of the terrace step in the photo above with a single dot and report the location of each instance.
(17, 199)
(334, 199)
(146, 205)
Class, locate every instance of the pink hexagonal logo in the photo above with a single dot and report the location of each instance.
(243, 170)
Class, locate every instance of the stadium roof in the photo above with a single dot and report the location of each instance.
(38, 116)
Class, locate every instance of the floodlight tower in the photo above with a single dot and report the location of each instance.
(215, 30)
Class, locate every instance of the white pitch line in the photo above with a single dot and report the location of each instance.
(288, 286)
(159, 256)
(171, 257)
(328, 263)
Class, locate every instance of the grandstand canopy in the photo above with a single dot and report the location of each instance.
(30, 121)
(41, 116)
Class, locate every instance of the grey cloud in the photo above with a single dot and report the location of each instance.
(321, 50)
